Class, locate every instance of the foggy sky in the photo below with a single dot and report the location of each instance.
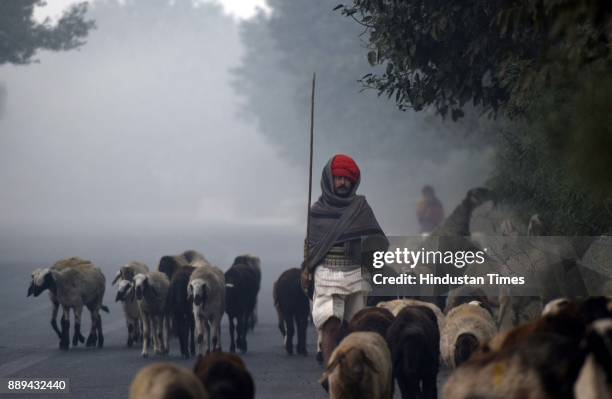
(139, 133)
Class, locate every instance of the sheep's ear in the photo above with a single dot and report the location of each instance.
(330, 367)
(117, 277)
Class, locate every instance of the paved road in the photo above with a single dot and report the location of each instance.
(28, 348)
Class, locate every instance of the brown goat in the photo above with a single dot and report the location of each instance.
(360, 367)
(224, 376)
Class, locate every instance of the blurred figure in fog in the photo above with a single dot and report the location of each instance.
(429, 210)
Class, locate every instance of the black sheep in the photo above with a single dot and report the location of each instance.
(180, 309)
(414, 341)
(293, 309)
(241, 288)
(255, 263)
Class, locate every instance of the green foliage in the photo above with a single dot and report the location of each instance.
(21, 37)
(491, 53)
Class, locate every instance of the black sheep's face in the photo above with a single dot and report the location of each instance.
(125, 292)
(198, 292)
(42, 279)
(140, 285)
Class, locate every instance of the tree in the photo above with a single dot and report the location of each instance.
(492, 53)
(21, 37)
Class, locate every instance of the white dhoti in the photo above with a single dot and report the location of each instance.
(339, 293)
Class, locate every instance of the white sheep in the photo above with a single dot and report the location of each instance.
(207, 291)
(61, 264)
(126, 294)
(74, 283)
(151, 293)
(360, 367)
(467, 327)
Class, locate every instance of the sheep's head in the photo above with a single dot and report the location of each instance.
(197, 291)
(42, 279)
(126, 291)
(555, 306)
(141, 285)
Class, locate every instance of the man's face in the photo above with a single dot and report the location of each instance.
(342, 186)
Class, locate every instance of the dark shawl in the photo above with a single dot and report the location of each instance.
(335, 220)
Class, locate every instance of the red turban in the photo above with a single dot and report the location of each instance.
(345, 166)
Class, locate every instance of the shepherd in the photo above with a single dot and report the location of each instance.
(343, 235)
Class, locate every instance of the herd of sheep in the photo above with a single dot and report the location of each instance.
(564, 353)
(186, 296)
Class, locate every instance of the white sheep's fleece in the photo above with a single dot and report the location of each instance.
(466, 318)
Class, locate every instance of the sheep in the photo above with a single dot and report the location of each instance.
(206, 290)
(255, 263)
(396, 305)
(181, 310)
(127, 296)
(168, 264)
(166, 381)
(414, 341)
(151, 295)
(61, 264)
(467, 294)
(595, 377)
(467, 327)
(242, 286)
(292, 308)
(376, 320)
(541, 359)
(128, 271)
(75, 283)
(360, 367)
(224, 376)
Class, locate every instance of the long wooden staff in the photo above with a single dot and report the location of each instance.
(312, 96)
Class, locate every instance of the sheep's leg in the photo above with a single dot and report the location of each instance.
(165, 330)
(199, 326)
(231, 329)
(181, 326)
(99, 328)
(54, 319)
(207, 335)
(65, 334)
(242, 330)
(92, 339)
(146, 335)
(77, 336)
(216, 332)
(131, 327)
(191, 334)
(156, 332)
(289, 328)
(301, 322)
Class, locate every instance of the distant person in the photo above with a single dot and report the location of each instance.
(343, 234)
(429, 211)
